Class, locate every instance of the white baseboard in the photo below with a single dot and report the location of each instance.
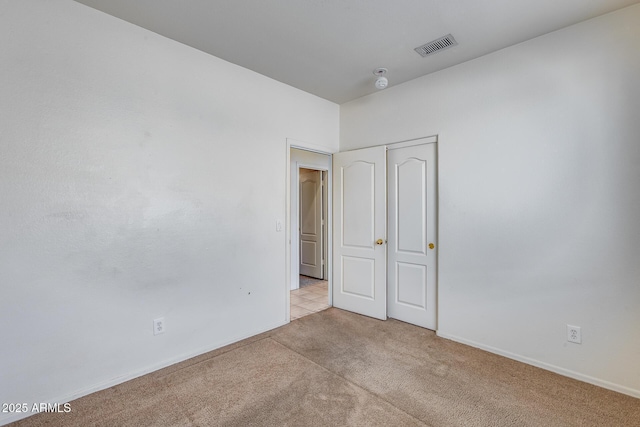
(558, 370)
(124, 378)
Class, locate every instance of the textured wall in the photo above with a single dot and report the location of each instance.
(125, 196)
(539, 194)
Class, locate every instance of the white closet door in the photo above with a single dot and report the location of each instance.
(359, 227)
(412, 234)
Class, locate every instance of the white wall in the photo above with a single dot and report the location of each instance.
(124, 197)
(539, 194)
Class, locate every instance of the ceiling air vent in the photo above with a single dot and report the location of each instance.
(436, 46)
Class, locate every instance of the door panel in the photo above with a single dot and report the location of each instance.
(412, 226)
(411, 279)
(308, 251)
(358, 277)
(359, 215)
(409, 186)
(311, 223)
(358, 186)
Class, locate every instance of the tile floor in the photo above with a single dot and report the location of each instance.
(309, 298)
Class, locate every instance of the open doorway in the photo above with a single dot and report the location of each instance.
(309, 194)
(312, 294)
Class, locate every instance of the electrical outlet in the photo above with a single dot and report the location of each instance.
(573, 334)
(158, 326)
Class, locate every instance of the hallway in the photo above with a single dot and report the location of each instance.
(311, 297)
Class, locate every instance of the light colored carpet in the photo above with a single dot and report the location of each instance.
(341, 369)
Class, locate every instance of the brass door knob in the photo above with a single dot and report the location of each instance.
(379, 242)
(431, 246)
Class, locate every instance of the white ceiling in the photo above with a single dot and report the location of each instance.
(331, 47)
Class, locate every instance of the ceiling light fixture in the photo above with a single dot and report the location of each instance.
(381, 82)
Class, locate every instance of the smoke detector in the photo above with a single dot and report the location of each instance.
(436, 45)
(381, 82)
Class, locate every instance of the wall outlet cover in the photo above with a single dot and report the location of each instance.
(158, 326)
(573, 334)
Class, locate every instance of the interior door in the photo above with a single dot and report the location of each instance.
(412, 239)
(359, 227)
(311, 244)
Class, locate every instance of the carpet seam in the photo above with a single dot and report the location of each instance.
(349, 381)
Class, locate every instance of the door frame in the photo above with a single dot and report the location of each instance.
(291, 234)
(410, 143)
